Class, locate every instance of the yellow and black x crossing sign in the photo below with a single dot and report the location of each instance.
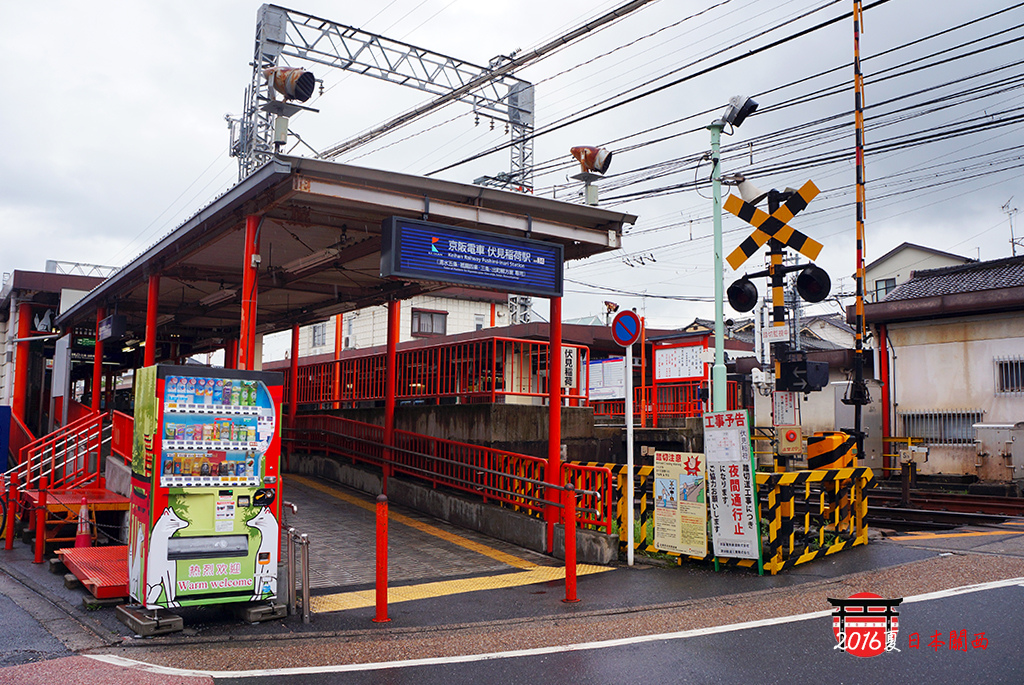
(774, 225)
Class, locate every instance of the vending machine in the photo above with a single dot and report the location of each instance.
(205, 500)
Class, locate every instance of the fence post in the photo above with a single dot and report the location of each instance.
(570, 544)
(382, 560)
(290, 566)
(306, 609)
(12, 505)
(41, 522)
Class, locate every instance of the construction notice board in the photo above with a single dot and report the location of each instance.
(680, 504)
(732, 489)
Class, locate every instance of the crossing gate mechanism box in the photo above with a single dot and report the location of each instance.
(831, 450)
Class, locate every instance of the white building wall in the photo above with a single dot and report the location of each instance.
(367, 327)
(6, 362)
(949, 365)
(826, 331)
(902, 264)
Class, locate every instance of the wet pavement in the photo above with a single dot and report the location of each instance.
(462, 592)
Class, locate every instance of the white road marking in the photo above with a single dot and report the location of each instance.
(512, 654)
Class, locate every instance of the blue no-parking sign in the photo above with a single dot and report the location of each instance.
(626, 328)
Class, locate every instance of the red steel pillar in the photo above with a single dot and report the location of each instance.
(390, 383)
(339, 345)
(293, 378)
(21, 361)
(231, 353)
(554, 468)
(381, 593)
(293, 388)
(97, 362)
(247, 333)
(884, 372)
(152, 307)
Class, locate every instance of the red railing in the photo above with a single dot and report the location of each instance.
(675, 399)
(594, 502)
(77, 411)
(488, 370)
(122, 430)
(514, 480)
(20, 436)
(68, 457)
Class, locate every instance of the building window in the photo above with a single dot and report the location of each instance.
(478, 320)
(883, 287)
(954, 427)
(1010, 376)
(320, 334)
(427, 322)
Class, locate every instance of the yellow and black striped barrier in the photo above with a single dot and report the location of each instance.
(825, 515)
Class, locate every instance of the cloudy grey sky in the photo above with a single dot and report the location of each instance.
(115, 131)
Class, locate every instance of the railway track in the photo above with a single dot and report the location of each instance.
(940, 509)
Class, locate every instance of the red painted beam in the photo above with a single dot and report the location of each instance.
(247, 332)
(21, 362)
(152, 309)
(554, 468)
(97, 362)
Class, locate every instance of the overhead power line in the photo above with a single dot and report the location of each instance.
(661, 88)
(483, 79)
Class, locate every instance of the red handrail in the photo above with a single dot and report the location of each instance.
(486, 370)
(63, 457)
(77, 410)
(20, 436)
(121, 435)
(514, 480)
(593, 485)
(682, 399)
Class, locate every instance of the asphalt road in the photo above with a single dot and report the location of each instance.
(782, 653)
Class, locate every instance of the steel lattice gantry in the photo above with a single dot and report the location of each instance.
(286, 37)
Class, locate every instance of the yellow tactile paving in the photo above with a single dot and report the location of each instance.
(490, 552)
(367, 598)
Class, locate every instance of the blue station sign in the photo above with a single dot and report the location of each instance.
(425, 251)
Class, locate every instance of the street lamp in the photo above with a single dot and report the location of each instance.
(737, 111)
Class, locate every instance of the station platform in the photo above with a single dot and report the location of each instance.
(452, 590)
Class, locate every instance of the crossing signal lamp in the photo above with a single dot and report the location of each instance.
(812, 285)
(293, 83)
(742, 295)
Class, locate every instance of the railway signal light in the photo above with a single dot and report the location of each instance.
(739, 108)
(592, 159)
(293, 83)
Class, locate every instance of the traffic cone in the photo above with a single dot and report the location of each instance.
(83, 538)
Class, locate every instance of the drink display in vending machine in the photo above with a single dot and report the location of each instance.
(205, 501)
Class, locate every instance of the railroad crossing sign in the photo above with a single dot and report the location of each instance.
(774, 225)
(626, 328)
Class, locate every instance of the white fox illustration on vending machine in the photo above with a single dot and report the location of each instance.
(161, 570)
(265, 574)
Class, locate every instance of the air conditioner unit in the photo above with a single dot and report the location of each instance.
(348, 342)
